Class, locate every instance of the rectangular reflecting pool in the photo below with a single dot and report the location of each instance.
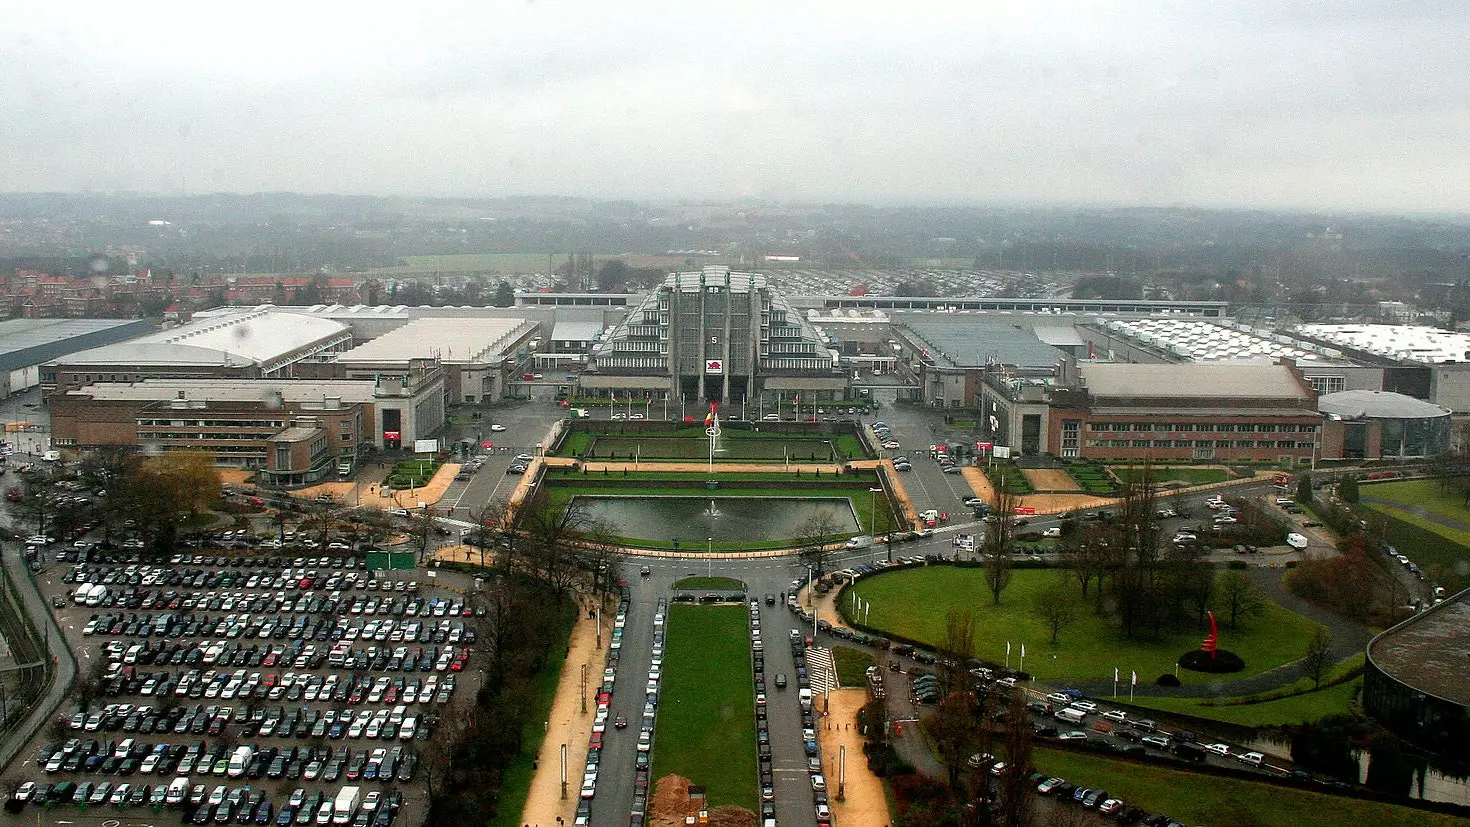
(724, 519)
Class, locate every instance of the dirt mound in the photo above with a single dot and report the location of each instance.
(671, 804)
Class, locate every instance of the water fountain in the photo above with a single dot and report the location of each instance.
(712, 511)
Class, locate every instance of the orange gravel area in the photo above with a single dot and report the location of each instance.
(429, 494)
(860, 801)
(463, 554)
(234, 476)
(979, 483)
(566, 724)
(1049, 479)
(901, 496)
(672, 806)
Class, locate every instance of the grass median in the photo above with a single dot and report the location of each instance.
(706, 713)
(1277, 708)
(1196, 798)
(915, 603)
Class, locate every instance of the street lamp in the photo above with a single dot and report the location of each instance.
(709, 560)
(873, 510)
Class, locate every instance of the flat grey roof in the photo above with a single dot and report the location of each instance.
(19, 334)
(1192, 381)
(27, 342)
(575, 331)
(1360, 404)
(1427, 651)
(976, 344)
(1059, 335)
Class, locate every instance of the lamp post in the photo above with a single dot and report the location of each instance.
(873, 510)
(709, 561)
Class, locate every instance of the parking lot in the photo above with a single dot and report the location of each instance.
(247, 687)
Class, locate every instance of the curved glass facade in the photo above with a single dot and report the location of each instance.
(1415, 437)
(1433, 722)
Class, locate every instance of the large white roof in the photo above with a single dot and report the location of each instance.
(452, 339)
(1201, 341)
(240, 338)
(1396, 341)
(258, 335)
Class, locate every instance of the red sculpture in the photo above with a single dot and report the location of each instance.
(1212, 642)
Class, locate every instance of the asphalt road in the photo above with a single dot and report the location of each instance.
(793, 796)
(65, 671)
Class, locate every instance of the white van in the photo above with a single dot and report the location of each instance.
(239, 761)
(1071, 715)
(178, 790)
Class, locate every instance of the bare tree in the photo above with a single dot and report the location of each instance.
(959, 644)
(1240, 598)
(421, 529)
(553, 542)
(952, 729)
(1017, 793)
(601, 555)
(1055, 606)
(1318, 659)
(998, 543)
(1090, 557)
(814, 536)
(88, 685)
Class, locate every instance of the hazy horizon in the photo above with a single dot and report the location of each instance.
(1277, 106)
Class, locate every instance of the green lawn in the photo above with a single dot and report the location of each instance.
(1424, 494)
(706, 713)
(1165, 473)
(1197, 798)
(852, 665)
(515, 784)
(915, 602)
(1414, 535)
(723, 583)
(1296, 709)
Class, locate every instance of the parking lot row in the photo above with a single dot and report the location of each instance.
(259, 623)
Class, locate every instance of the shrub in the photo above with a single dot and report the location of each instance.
(1224, 661)
(1167, 679)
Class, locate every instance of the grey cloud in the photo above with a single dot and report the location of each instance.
(1269, 104)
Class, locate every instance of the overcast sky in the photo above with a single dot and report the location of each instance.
(1337, 105)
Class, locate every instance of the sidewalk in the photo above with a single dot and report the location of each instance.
(862, 803)
(567, 724)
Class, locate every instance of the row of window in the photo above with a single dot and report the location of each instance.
(629, 362)
(1327, 384)
(213, 423)
(1198, 443)
(237, 436)
(1207, 427)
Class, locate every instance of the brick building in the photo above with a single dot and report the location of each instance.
(294, 431)
(1200, 413)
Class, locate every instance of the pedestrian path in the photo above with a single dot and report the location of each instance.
(822, 669)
